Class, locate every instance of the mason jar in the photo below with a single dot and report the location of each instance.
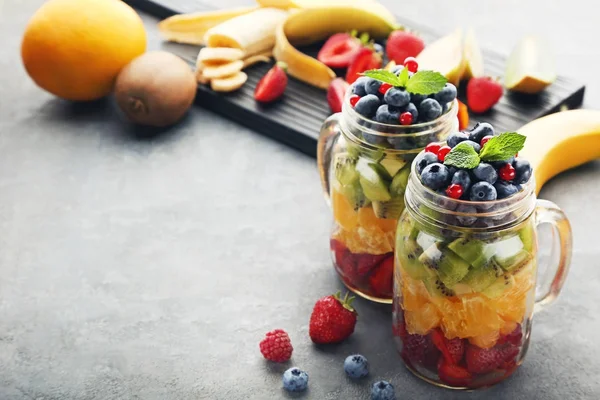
(364, 167)
(465, 283)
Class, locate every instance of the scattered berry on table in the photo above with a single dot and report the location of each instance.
(383, 390)
(481, 130)
(295, 380)
(372, 86)
(485, 140)
(384, 88)
(365, 60)
(425, 159)
(507, 172)
(435, 176)
(433, 147)
(483, 93)
(447, 94)
(403, 44)
(429, 109)
(462, 178)
(339, 50)
(455, 138)
(406, 118)
(454, 191)
(332, 320)
(367, 106)
(397, 97)
(359, 86)
(356, 366)
(485, 172)
(483, 191)
(272, 86)
(443, 152)
(385, 115)
(411, 64)
(522, 171)
(276, 346)
(354, 99)
(505, 189)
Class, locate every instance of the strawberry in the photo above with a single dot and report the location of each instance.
(452, 374)
(345, 260)
(483, 93)
(514, 337)
(381, 280)
(463, 116)
(481, 361)
(332, 320)
(336, 93)
(419, 350)
(272, 86)
(339, 50)
(276, 346)
(367, 58)
(452, 350)
(402, 44)
(366, 262)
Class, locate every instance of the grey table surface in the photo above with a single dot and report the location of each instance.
(150, 269)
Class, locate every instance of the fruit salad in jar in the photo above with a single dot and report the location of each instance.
(388, 117)
(466, 268)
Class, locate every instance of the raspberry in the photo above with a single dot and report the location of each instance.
(276, 346)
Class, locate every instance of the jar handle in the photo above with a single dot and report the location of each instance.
(549, 213)
(329, 133)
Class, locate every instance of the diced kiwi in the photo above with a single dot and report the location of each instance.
(450, 267)
(504, 282)
(479, 279)
(392, 165)
(355, 195)
(345, 170)
(436, 288)
(473, 251)
(389, 209)
(353, 150)
(373, 181)
(411, 251)
(516, 262)
(527, 235)
(400, 181)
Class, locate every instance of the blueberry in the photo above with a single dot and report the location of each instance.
(375, 139)
(417, 98)
(447, 94)
(295, 380)
(367, 105)
(505, 189)
(429, 109)
(383, 390)
(474, 145)
(456, 138)
(481, 130)
(483, 191)
(386, 116)
(522, 171)
(485, 172)
(462, 178)
(402, 143)
(435, 176)
(372, 86)
(397, 97)
(423, 160)
(397, 69)
(466, 220)
(359, 86)
(378, 48)
(500, 164)
(356, 366)
(451, 170)
(411, 108)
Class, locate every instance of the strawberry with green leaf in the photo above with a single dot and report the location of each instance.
(333, 319)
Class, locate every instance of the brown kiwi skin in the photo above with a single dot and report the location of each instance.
(155, 89)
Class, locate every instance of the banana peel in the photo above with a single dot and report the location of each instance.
(561, 141)
(306, 26)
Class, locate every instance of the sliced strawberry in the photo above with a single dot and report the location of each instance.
(365, 59)
(339, 50)
(419, 351)
(514, 337)
(336, 93)
(381, 280)
(403, 44)
(452, 350)
(453, 375)
(483, 93)
(481, 361)
(365, 263)
(272, 86)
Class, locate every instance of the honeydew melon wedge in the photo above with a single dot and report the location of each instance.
(530, 67)
(446, 56)
(472, 57)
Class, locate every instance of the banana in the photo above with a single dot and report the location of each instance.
(311, 25)
(230, 83)
(265, 57)
(219, 55)
(191, 28)
(560, 141)
(223, 70)
(252, 33)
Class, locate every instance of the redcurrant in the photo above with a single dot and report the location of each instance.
(454, 191)
(433, 148)
(507, 172)
(411, 64)
(406, 118)
(443, 152)
(384, 88)
(354, 99)
(485, 140)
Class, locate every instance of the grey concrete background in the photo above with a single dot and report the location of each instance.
(151, 269)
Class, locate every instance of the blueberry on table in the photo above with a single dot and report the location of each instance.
(505, 189)
(435, 176)
(522, 171)
(423, 160)
(397, 97)
(481, 130)
(295, 380)
(356, 366)
(455, 138)
(486, 173)
(474, 145)
(417, 98)
(386, 116)
(447, 94)
(383, 390)
(462, 178)
(367, 106)
(372, 86)
(483, 191)
(429, 109)
(411, 108)
(359, 86)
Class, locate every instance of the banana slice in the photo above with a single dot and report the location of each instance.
(230, 83)
(222, 71)
(219, 55)
(264, 57)
(200, 78)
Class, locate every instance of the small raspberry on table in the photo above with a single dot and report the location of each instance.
(276, 346)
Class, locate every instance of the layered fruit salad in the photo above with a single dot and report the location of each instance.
(371, 173)
(466, 270)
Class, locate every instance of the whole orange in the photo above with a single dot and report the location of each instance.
(75, 49)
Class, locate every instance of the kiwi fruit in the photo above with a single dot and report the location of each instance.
(527, 235)
(479, 279)
(436, 288)
(155, 89)
(502, 283)
(450, 267)
(392, 165)
(389, 209)
(373, 180)
(515, 262)
(473, 251)
(399, 182)
(344, 167)
(355, 196)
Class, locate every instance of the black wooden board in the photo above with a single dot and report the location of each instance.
(297, 118)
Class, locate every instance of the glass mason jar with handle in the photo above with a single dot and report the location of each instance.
(364, 167)
(465, 283)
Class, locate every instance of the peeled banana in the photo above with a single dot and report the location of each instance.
(558, 142)
(223, 70)
(219, 55)
(230, 83)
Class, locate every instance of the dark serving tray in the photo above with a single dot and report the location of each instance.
(297, 118)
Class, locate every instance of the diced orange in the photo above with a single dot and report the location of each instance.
(360, 240)
(343, 213)
(486, 341)
(368, 220)
(508, 328)
(512, 304)
(414, 293)
(467, 316)
(422, 321)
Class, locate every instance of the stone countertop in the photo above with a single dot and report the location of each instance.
(135, 268)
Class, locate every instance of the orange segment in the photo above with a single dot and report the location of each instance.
(508, 328)
(368, 220)
(512, 304)
(362, 241)
(343, 213)
(414, 293)
(422, 321)
(486, 341)
(470, 315)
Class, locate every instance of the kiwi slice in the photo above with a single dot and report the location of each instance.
(502, 283)
(389, 209)
(450, 267)
(527, 235)
(479, 279)
(411, 251)
(473, 251)
(514, 263)
(400, 181)
(392, 165)
(374, 180)
(355, 195)
(436, 288)
(344, 168)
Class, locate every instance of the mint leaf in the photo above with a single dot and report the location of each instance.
(462, 156)
(403, 77)
(502, 147)
(383, 76)
(426, 82)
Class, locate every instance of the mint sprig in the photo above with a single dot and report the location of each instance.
(403, 77)
(462, 156)
(384, 76)
(502, 147)
(422, 82)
